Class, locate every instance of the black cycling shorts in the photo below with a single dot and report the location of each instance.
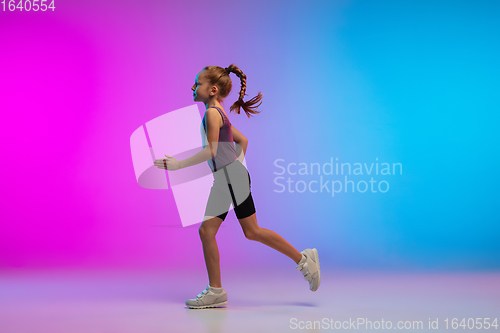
(231, 185)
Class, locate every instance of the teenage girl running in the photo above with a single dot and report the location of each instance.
(231, 183)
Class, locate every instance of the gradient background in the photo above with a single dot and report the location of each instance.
(411, 82)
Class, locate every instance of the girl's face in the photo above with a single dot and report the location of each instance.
(200, 88)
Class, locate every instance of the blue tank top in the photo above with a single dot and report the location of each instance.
(226, 153)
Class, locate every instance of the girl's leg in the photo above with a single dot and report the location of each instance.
(208, 230)
(268, 237)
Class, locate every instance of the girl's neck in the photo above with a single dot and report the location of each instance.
(213, 104)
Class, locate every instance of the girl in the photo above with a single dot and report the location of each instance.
(231, 183)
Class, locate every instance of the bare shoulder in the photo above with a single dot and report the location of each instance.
(214, 117)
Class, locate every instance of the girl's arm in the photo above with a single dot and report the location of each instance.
(201, 156)
(241, 150)
(241, 143)
(214, 122)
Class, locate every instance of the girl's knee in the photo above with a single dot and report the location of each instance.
(204, 232)
(253, 234)
(207, 232)
(209, 228)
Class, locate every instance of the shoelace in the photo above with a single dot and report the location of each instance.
(203, 293)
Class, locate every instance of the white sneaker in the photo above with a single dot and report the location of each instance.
(309, 266)
(209, 298)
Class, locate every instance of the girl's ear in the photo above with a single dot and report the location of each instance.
(215, 90)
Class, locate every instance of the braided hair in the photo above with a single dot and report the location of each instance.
(220, 77)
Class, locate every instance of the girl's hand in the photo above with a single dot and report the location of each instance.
(169, 163)
(241, 158)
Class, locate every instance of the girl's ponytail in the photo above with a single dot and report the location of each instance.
(247, 106)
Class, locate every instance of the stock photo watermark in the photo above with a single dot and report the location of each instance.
(334, 177)
(413, 325)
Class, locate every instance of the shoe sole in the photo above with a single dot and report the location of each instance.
(319, 271)
(207, 306)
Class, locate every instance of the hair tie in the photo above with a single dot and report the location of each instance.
(227, 70)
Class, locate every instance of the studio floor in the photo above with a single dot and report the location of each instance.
(72, 301)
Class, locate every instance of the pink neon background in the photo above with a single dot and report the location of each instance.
(77, 82)
(407, 82)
